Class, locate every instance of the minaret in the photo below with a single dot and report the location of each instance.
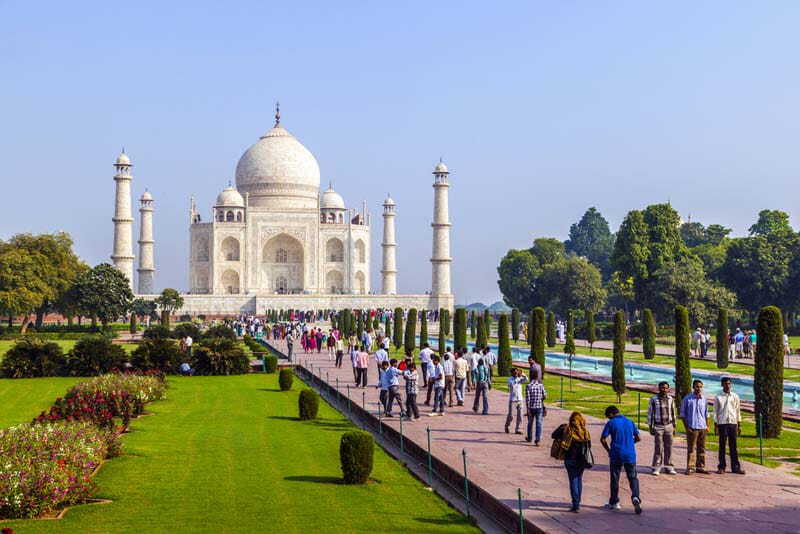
(123, 219)
(389, 271)
(147, 268)
(441, 260)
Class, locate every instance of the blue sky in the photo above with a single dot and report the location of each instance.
(541, 109)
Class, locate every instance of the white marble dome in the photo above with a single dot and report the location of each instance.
(330, 199)
(278, 171)
(441, 168)
(230, 197)
(146, 196)
(123, 159)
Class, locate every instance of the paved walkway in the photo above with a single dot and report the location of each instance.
(765, 500)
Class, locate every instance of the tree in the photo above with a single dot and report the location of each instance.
(398, 328)
(759, 270)
(548, 250)
(360, 326)
(592, 239)
(515, 324)
(480, 340)
(518, 272)
(569, 346)
(551, 329)
(388, 328)
(722, 338)
(446, 321)
(591, 331)
(487, 323)
(104, 292)
(648, 334)
(768, 378)
(618, 366)
(573, 283)
(411, 330)
(169, 302)
(537, 327)
(423, 327)
(504, 361)
(771, 223)
(460, 334)
(683, 370)
(143, 309)
(23, 288)
(472, 324)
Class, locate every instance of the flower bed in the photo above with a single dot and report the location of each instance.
(104, 399)
(49, 466)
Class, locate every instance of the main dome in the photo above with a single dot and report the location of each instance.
(279, 172)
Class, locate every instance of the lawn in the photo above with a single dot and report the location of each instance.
(23, 399)
(226, 454)
(65, 344)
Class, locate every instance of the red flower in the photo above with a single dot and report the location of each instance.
(7, 531)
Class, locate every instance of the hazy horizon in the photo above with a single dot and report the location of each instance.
(540, 111)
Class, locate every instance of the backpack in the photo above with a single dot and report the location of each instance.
(556, 450)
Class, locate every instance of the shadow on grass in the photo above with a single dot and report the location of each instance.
(315, 479)
(283, 418)
(448, 519)
(270, 390)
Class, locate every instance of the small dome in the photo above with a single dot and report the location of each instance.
(331, 200)
(389, 201)
(146, 196)
(230, 197)
(440, 168)
(123, 159)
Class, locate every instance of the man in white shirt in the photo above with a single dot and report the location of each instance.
(727, 418)
(490, 360)
(461, 369)
(189, 341)
(449, 377)
(380, 356)
(425, 358)
(515, 398)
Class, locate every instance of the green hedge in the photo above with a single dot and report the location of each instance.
(768, 386)
(308, 404)
(270, 363)
(285, 379)
(356, 451)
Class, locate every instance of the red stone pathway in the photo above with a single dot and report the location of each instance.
(765, 500)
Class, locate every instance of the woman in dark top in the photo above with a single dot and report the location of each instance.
(576, 445)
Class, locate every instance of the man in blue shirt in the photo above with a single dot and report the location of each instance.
(621, 453)
(694, 413)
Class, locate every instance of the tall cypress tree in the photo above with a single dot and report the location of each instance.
(683, 369)
(618, 368)
(591, 331)
(411, 330)
(529, 329)
(423, 328)
(388, 329)
(472, 324)
(515, 324)
(768, 384)
(504, 351)
(538, 339)
(569, 346)
(446, 321)
(487, 323)
(398, 328)
(648, 334)
(722, 338)
(551, 329)
(360, 326)
(480, 341)
(460, 334)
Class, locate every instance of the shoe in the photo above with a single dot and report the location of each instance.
(388, 415)
(656, 471)
(609, 506)
(703, 472)
(441, 414)
(637, 505)
(671, 471)
(528, 440)
(689, 472)
(720, 471)
(507, 430)
(432, 414)
(518, 432)
(475, 410)
(739, 472)
(461, 403)
(427, 403)
(575, 509)
(536, 443)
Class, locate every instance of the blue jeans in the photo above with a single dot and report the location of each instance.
(480, 391)
(575, 475)
(438, 399)
(460, 383)
(630, 471)
(535, 414)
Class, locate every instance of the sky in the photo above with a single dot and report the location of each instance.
(540, 109)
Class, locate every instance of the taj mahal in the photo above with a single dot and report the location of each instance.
(276, 240)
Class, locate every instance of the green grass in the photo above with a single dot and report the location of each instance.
(592, 398)
(226, 454)
(23, 399)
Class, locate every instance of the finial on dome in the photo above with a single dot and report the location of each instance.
(277, 114)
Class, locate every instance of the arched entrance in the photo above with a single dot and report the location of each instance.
(283, 265)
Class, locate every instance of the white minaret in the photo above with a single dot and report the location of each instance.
(123, 219)
(389, 245)
(147, 266)
(441, 260)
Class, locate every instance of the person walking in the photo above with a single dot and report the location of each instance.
(535, 395)
(383, 386)
(661, 422)
(436, 379)
(621, 454)
(380, 356)
(361, 367)
(338, 346)
(411, 377)
(694, 414)
(449, 377)
(534, 369)
(515, 382)
(392, 381)
(490, 360)
(575, 443)
(728, 420)
(480, 377)
(461, 372)
(289, 345)
(424, 359)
